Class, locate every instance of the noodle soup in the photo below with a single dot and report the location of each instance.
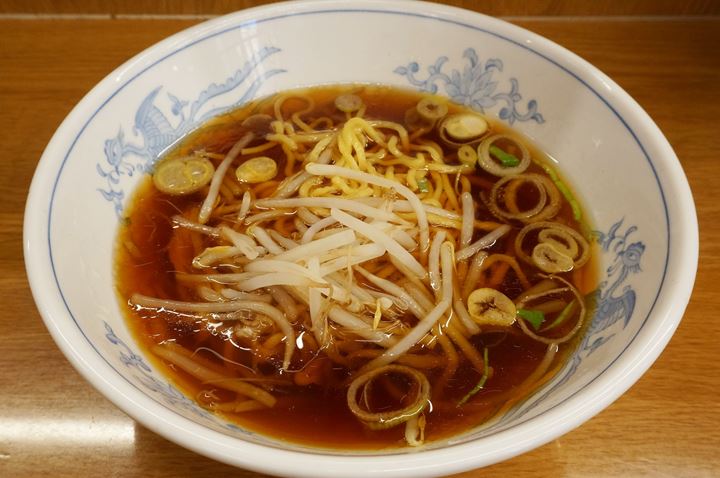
(356, 267)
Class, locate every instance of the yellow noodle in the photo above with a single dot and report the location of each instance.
(452, 358)
(407, 161)
(402, 132)
(324, 191)
(226, 192)
(361, 112)
(326, 122)
(450, 193)
(413, 360)
(259, 148)
(411, 179)
(314, 154)
(466, 347)
(266, 188)
(230, 182)
(349, 141)
(487, 225)
(226, 209)
(512, 262)
(290, 160)
(432, 149)
(237, 406)
(273, 341)
(308, 185)
(438, 182)
(280, 101)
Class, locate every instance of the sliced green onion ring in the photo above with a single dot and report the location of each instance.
(581, 314)
(414, 122)
(180, 176)
(548, 259)
(467, 155)
(256, 170)
(348, 103)
(432, 108)
(556, 230)
(559, 239)
(506, 159)
(488, 306)
(548, 204)
(461, 129)
(383, 420)
(481, 384)
(486, 161)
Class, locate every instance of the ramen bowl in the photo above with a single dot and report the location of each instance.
(616, 158)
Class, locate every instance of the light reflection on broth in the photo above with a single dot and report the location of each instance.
(356, 267)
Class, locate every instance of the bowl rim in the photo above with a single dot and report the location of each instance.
(638, 355)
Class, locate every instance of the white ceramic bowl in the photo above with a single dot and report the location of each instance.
(607, 145)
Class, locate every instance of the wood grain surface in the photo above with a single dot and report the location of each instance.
(52, 423)
(489, 7)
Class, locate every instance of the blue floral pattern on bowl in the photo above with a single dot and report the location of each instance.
(156, 131)
(475, 86)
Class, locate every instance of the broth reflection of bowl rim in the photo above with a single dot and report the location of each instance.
(443, 460)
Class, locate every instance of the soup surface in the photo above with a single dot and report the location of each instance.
(355, 267)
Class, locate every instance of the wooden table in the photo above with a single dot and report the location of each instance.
(53, 423)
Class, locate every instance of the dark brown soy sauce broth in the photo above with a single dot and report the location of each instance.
(146, 262)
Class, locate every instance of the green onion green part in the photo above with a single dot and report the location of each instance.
(423, 185)
(506, 159)
(481, 383)
(562, 187)
(563, 316)
(534, 317)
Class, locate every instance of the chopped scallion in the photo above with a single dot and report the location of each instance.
(563, 316)
(481, 383)
(506, 159)
(562, 187)
(423, 185)
(534, 317)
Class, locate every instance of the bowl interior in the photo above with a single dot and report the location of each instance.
(608, 149)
